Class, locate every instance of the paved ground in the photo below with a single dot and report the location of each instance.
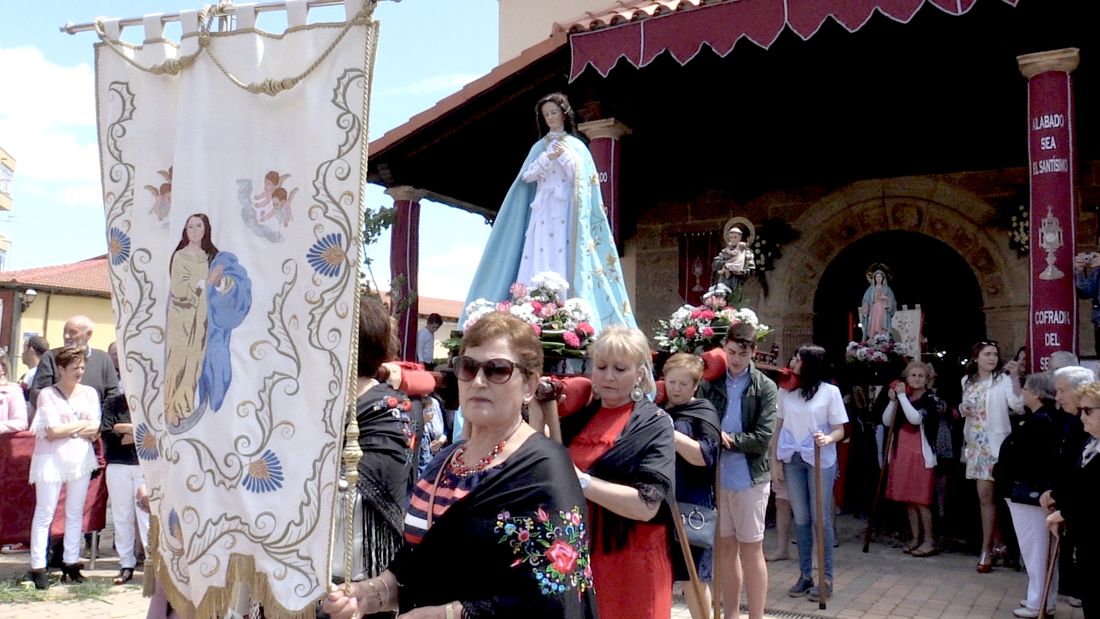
(883, 584)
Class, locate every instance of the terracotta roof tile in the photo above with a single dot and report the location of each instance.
(84, 277)
(625, 11)
(447, 308)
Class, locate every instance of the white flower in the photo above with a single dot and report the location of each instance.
(525, 312)
(578, 309)
(550, 281)
(476, 310)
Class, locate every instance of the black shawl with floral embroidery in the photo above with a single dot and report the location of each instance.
(515, 546)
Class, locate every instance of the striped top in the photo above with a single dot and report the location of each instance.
(451, 489)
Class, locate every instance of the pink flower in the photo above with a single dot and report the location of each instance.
(689, 332)
(548, 310)
(586, 329)
(518, 290)
(707, 315)
(571, 340)
(536, 306)
(523, 535)
(537, 329)
(708, 332)
(541, 515)
(695, 313)
(673, 333)
(575, 518)
(504, 306)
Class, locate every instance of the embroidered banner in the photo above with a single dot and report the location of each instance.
(232, 169)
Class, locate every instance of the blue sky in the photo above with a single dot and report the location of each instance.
(427, 50)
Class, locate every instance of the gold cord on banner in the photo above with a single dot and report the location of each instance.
(270, 86)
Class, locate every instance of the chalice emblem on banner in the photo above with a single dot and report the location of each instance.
(1050, 240)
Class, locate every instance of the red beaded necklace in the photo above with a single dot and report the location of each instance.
(458, 461)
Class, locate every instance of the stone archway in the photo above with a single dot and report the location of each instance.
(920, 205)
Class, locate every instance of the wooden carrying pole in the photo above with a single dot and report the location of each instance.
(878, 488)
(819, 517)
(716, 589)
(693, 574)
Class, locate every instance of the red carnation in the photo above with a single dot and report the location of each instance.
(708, 332)
(689, 332)
(586, 329)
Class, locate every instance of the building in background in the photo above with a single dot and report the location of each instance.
(7, 178)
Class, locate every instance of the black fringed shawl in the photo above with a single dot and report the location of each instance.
(386, 435)
(643, 457)
(515, 546)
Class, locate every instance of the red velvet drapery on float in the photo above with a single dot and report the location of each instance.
(691, 24)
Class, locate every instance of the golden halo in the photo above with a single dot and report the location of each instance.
(747, 229)
(878, 266)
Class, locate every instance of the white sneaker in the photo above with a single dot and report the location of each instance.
(1072, 601)
(1030, 613)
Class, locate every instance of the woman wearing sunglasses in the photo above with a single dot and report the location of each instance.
(990, 391)
(623, 447)
(497, 526)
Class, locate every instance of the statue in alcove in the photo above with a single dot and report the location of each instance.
(877, 310)
(735, 262)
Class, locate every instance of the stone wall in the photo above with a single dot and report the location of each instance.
(959, 209)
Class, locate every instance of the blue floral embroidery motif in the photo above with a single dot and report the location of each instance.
(146, 443)
(118, 247)
(556, 551)
(265, 474)
(174, 528)
(327, 255)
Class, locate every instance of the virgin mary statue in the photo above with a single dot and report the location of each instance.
(552, 219)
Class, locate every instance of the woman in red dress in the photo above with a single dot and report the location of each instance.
(913, 415)
(623, 447)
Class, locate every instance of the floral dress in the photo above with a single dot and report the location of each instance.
(978, 451)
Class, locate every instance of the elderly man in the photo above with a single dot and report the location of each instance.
(1067, 381)
(99, 372)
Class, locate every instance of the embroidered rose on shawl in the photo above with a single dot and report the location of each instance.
(563, 557)
(556, 548)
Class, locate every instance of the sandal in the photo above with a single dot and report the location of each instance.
(125, 575)
(910, 547)
(925, 552)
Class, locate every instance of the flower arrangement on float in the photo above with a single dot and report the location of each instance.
(880, 349)
(696, 328)
(564, 325)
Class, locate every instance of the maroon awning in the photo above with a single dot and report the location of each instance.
(641, 33)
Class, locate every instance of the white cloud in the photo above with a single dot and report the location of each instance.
(447, 274)
(437, 84)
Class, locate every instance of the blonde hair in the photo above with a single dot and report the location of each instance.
(685, 361)
(1089, 390)
(627, 345)
(927, 367)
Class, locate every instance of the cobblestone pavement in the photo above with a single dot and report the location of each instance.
(883, 584)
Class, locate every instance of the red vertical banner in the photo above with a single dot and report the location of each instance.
(1052, 323)
(604, 145)
(405, 267)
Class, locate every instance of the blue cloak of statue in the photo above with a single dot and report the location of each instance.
(225, 312)
(595, 273)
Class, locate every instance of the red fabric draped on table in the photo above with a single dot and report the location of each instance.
(721, 26)
(17, 508)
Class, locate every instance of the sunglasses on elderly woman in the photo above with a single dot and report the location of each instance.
(497, 371)
(1087, 410)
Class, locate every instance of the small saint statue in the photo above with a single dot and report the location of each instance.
(734, 263)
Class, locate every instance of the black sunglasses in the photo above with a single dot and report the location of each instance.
(497, 371)
(1087, 410)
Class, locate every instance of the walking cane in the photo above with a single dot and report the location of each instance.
(1055, 545)
(878, 489)
(820, 518)
(693, 574)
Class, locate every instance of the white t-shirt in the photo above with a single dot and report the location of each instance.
(801, 418)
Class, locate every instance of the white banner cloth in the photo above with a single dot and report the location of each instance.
(233, 221)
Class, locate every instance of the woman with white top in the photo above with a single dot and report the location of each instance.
(991, 390)
(811, 414)
(65, 425)
(912, 476)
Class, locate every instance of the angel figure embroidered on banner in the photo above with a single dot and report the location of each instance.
(280, 206)
(735, 262)
(162, 196)
(263, 200)
(877, 310)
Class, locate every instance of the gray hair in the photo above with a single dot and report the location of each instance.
(1062, 359)
(1041, 384)
(1075, 375)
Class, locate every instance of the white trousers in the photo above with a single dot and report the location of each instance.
(122, 484)
(46, 494)
(1030, 523)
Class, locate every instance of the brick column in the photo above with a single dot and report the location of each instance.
(404, 266)
(1052, 321)
(603, 136)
